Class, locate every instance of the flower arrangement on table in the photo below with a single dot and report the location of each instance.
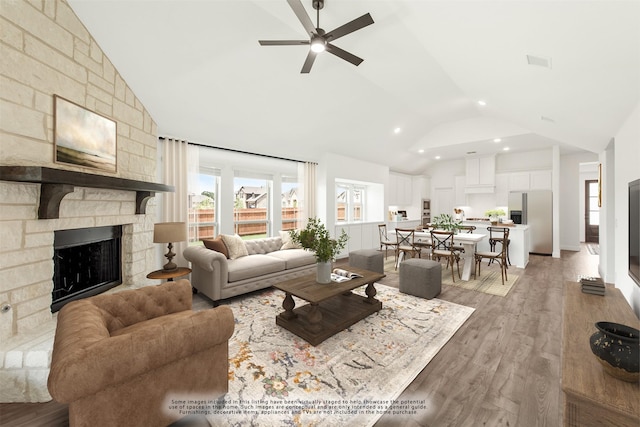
(446, 222)
(315, 237)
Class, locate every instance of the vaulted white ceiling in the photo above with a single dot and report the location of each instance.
(199, 70)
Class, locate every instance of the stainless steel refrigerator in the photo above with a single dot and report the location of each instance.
(535, 209)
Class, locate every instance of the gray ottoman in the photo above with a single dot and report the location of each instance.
(367, 259)
(420, 277)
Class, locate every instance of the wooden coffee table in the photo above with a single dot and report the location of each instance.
(332, 307)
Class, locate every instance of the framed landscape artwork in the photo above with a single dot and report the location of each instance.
(83, 138)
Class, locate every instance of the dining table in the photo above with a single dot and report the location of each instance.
(467, 240)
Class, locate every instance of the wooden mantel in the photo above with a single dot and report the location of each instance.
(57, 183)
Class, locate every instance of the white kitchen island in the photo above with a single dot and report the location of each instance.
(519, 236)
(468, 241)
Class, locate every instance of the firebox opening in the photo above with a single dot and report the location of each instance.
(87, 262)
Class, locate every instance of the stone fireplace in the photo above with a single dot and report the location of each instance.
(87, 262)
(40, 238)
(51, 53)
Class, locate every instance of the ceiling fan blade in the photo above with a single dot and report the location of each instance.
(282, 42)
(335, 50)
(308, 63)
(349, 27)
(301, 13)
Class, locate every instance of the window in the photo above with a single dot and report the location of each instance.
(231, 192)
(350, 202)
(203, 206)
(251, 216)
(290, 203)
(594, 211)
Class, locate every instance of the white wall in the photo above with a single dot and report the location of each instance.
(627, 159)
(572, 198)
(333, 167)
(524, 161)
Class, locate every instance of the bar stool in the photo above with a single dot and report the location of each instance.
(497, 235)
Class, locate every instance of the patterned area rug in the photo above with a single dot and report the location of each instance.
(593, 248)
(352, 378)
(489, 281)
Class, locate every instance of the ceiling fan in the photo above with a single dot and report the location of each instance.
(319, 39)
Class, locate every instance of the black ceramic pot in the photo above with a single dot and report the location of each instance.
(617, 348)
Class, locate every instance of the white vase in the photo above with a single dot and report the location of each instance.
(323, 272)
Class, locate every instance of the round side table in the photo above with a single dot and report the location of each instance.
(169, 275)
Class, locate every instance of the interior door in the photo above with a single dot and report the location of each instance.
(591, 212)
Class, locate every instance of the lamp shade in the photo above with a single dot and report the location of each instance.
(169, 232)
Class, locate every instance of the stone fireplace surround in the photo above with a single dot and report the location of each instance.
(27, 325)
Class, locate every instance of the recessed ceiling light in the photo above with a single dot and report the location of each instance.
(506, 149)
(421, 151)
(397, 130)
(437, 157)
(482, 103)
(497, 140)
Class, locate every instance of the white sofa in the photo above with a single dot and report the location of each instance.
(266, 264)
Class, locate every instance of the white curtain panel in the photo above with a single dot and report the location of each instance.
(174, 206)
(307, 171)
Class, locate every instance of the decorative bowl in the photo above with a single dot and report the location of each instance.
(617, 348)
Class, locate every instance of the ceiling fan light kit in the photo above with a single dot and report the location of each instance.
(320, 40)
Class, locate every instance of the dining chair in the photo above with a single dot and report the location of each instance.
(497, 236)
(500, 257)
(442, 247)
(406, 244)
(423, 243)
(469, 229)
(385, 241)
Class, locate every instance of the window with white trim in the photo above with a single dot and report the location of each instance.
(350, 202)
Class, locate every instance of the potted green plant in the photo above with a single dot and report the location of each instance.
(315, 237)
(494, 214)
(446, 222)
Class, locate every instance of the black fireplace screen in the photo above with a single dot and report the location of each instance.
(87, 262)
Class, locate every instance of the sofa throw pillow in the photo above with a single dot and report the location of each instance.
(287, 243)
(217, 245)
(235, 245)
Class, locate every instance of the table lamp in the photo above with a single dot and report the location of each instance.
(169, 232)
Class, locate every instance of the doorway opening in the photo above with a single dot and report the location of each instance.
(591, 212)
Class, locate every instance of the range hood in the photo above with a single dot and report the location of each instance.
(480, 175)
(480, 189)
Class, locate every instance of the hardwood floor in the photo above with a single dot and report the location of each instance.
(502, 368)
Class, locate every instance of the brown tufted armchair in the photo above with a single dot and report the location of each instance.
(118, 359)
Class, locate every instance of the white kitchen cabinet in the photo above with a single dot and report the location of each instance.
(480, 171)
(400, 189)
(425, 187)
(531, 180)
(405, 189)
(460, 197)
(487, 173)
(361, 236)
(519, 181)
(393, 190)
(540, 180)
(472, 169)
(502, 189)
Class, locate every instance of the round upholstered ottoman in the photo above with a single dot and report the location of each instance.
(420, 278)
(367, 259)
